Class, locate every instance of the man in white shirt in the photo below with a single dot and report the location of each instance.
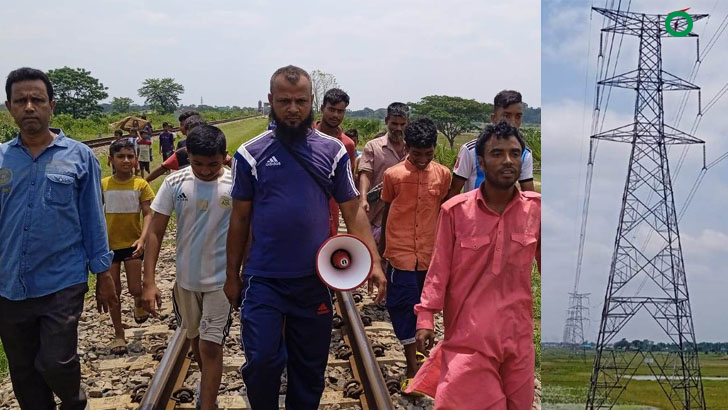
(507, 105)
(200, 197)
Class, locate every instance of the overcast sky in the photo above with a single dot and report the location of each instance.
(225, 51)
(570, 32)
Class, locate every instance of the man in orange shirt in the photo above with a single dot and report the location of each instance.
(333, 111)
(412, 192)
(480, 277)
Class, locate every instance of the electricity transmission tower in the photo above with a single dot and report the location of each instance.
(575, 318)
(647, 214)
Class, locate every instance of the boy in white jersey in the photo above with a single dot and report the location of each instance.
(200, 197)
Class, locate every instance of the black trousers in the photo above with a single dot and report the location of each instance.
(40, 338)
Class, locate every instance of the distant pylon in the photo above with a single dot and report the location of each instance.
(648, 208)
(575, 318)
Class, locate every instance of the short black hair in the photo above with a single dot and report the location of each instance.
(207, 141)
(292, 73)
(28, 74)
(501, 130)
(119, 132)
(118, 145)
(144, 116)
(335, 96)
(398, 109)
(421, 133)
(165, 124)
(192, 122)
(505, 98)
(352, 133)
(186, 114)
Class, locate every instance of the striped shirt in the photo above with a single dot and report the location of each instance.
(203, 215)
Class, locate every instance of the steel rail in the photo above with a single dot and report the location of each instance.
(165, 378)
(364, 362)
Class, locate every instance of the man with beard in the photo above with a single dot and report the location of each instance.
(508, 106)
(283, 180)
(480, 277)
(333, 111)
(52, 232)
(379, 154)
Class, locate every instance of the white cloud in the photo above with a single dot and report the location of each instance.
(226, 51)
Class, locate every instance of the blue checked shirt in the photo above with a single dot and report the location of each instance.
(52, 227)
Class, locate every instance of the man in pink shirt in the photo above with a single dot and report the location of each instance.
(333, 111)
(480, 277)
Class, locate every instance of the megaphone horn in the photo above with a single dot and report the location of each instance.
(343, 262)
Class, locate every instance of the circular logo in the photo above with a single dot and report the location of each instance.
(673, 30)
(6, 175)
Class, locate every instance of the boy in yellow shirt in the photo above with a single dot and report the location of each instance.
(125, 196)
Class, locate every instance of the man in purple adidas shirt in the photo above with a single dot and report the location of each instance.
(286, 310)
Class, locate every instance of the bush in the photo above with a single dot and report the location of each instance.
(446, 155)
(533, 140)
(367, 128)
(8, 129)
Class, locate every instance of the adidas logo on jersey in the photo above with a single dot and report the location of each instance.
(323, 310)
(182, 197)
(272, 162)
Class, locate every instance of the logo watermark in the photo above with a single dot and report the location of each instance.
(673, 29)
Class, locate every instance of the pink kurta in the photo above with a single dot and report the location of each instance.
(480, 277)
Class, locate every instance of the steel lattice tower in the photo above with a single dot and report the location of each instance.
(647, 207)
(575, 317)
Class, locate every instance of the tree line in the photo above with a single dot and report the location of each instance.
(78, 93)
(650, 346)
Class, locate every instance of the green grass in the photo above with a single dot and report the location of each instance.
(566, 380)
(236, 133)
(90, 128)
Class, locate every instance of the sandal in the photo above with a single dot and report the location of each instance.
(140, 315)
(118, 347)
(405, 384)
(421, 358)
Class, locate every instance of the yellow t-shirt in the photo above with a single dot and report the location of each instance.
(122, 208)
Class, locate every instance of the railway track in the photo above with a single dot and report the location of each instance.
(100, 142)
(363, 385)
(365, 389)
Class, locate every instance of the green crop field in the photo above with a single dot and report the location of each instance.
(566, 380)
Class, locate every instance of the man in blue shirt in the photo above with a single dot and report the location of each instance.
(282, 181)
(52, 232)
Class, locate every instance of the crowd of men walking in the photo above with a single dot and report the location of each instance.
(246, 239)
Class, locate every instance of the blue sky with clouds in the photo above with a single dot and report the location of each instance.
(225, 51)
(570, 42)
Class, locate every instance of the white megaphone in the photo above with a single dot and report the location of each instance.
(343, 262)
